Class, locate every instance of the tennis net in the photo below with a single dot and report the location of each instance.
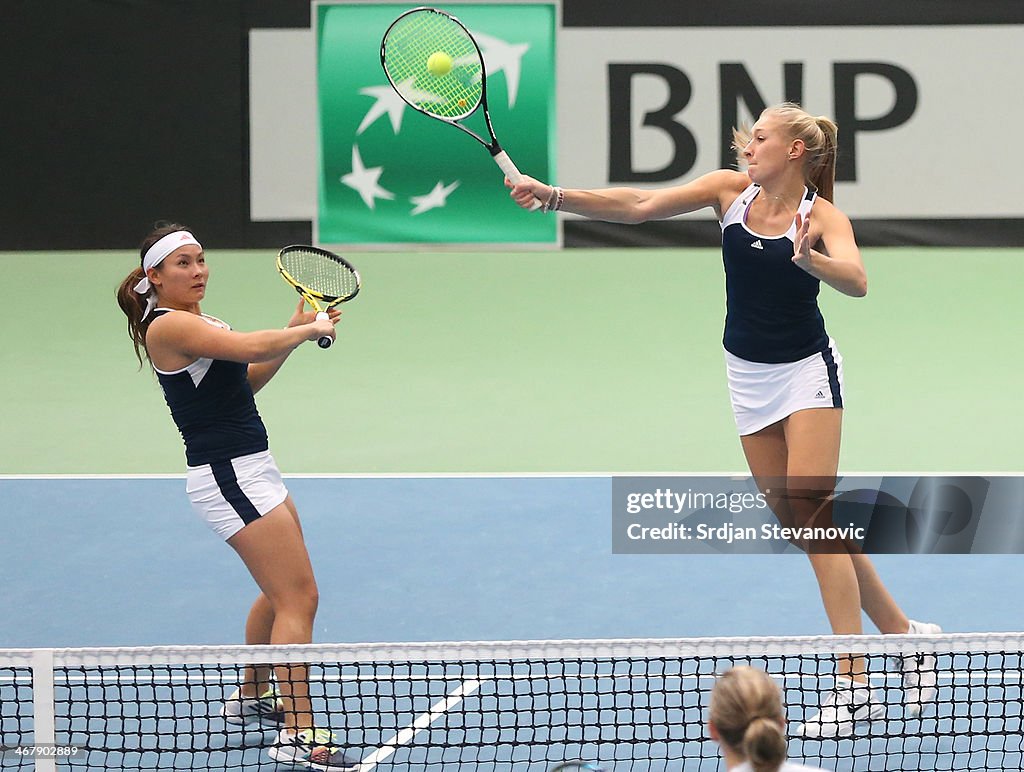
(526, 705)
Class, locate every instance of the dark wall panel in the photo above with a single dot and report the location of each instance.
(117, 113)
(120, 113)
(787, 13)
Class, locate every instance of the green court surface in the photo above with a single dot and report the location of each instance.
(578, 361)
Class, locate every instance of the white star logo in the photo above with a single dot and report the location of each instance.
(501, 56)
(389, 102)
(364, 181)
(436, 198)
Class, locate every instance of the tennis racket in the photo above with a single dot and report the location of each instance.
(577, 765)
(323, 278)
(436, 66)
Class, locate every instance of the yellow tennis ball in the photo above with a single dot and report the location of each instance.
(439, 63)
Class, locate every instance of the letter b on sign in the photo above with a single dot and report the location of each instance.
(621, 78)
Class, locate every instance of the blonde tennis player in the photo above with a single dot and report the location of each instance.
(748, 721)
(781, 238)
(209, 373)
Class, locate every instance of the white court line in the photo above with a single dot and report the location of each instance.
(485, 475)
(406, 735)
(368, 475)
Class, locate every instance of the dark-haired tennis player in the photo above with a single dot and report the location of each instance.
(781, 237)
(209, 374)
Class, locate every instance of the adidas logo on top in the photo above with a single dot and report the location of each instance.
(757, 245)
(819, 395)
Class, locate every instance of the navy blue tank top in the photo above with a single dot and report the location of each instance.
(772, 312)
(213, 406)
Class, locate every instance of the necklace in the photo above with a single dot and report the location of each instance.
(780, 198)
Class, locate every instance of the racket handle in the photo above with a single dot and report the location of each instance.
(325, 341)
(513, 174)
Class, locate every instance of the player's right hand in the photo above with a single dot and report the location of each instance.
(319, 328)
(527, 191)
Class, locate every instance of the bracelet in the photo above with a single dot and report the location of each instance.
(548, 205)
(560, 200)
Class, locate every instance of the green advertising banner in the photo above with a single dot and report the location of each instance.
(389, 175)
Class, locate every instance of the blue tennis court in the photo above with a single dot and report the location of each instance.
(122, 561)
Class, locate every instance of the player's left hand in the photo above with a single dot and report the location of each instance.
(802, 242)
(303, 316)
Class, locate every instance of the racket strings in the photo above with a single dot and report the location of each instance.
(408, 45)
(320, 274)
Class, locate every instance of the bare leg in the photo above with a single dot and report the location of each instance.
(275, 554)
(767, 456)
(876, 600)
(814, 450)
(803, 452)
(258, 627)
(812, 437)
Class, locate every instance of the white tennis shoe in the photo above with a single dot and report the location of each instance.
(850, 703)
(246, 711)
(311, 749)
(920, 672)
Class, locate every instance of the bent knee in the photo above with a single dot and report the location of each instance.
(302, 598)
(307, 597)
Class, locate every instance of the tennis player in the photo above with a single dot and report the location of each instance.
(781, 237)
(747, 720)
(209, 374)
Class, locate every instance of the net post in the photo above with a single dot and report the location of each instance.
(43, 715)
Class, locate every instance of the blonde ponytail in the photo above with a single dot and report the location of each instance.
(746, 709)
(821, 166)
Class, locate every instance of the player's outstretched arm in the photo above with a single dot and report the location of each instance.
(634, 205)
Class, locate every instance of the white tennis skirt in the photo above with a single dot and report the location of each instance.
(764, 393)
(229, 495)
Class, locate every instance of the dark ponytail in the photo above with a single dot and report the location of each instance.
(131, 302)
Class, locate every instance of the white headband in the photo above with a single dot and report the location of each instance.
(155, 255)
